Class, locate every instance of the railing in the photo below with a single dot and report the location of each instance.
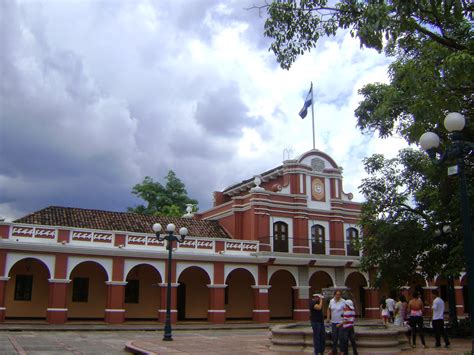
(128, 241)
(326, 247)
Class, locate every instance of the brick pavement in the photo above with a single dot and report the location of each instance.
(252, 342)
(203, 339)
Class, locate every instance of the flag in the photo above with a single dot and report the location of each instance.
(307, 103)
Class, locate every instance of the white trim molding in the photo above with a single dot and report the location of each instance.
(56, 309)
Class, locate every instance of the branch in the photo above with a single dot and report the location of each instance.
(445, 41)
(277, 7)
(417, 212)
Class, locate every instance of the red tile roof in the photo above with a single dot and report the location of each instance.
(119, 221)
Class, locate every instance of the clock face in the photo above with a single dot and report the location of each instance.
(317, 189)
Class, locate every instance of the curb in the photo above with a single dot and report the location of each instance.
(134, 349)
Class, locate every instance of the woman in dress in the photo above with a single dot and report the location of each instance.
(399, 318)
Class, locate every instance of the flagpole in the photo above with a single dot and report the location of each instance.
(312, 113)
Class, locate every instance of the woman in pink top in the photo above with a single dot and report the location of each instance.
(415, 312)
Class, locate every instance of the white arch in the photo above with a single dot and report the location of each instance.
(207, 267)
(73, 261)
(253, 269)
(330, 272)
(47, 260)
(293, 270)
(350, 272)
(157, 265)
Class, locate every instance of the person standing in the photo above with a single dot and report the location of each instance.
(347, 325)
(317, 323)
(384, 313)
(334, 316)
(391, 308)
(415, 311)
(399, 312)
(438, 320)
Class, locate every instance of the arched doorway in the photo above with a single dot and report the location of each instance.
(193, 294)
(142, 293)
(87, 291)
(280, 295)
(27, 290)
(318, 281)
(356, 283)
(239, 294)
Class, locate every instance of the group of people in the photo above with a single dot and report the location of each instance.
(410, 314)
(341, 316)
(394, 310)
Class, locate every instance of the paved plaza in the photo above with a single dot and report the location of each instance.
(190, 341)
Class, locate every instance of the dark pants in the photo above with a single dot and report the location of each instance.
(417, 322)
(438, 328)
(348, 334)
(335, 336)
(319, 337)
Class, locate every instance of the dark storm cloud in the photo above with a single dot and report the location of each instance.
(56, 143)
(221, 112)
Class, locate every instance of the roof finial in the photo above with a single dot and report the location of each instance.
(189, 210)
(287, 152)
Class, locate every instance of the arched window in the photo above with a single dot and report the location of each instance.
(280, 237)
(352, 238)
(318, 242)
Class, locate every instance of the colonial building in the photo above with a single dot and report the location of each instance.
(265, 246)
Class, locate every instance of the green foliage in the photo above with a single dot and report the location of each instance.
(296, 25)
(168, 200)
(407, 203)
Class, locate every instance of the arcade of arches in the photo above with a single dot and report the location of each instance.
(199, 292)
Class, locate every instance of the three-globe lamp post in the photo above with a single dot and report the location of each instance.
(170, 238)
(458, 150)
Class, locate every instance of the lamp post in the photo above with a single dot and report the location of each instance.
(458, 150)
(170, 238)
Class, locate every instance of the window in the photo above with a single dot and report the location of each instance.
(23, 287)
(80, 289)
(318, 242)
(352, 238)
(132, 291)
(280, 237)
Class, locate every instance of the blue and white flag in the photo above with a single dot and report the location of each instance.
(307, 103)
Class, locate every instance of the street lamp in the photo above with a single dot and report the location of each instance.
(170, 238)
(458, 150)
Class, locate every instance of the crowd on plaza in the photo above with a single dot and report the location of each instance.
(399, 312)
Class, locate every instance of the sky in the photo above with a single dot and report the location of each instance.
(96, 95)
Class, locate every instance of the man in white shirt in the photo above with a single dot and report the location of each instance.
(438, 320)
(390, 302)
(334, 316)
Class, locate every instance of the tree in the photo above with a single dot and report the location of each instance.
(296, 26)
(407, 198)
(168, 200)
(403, 216)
